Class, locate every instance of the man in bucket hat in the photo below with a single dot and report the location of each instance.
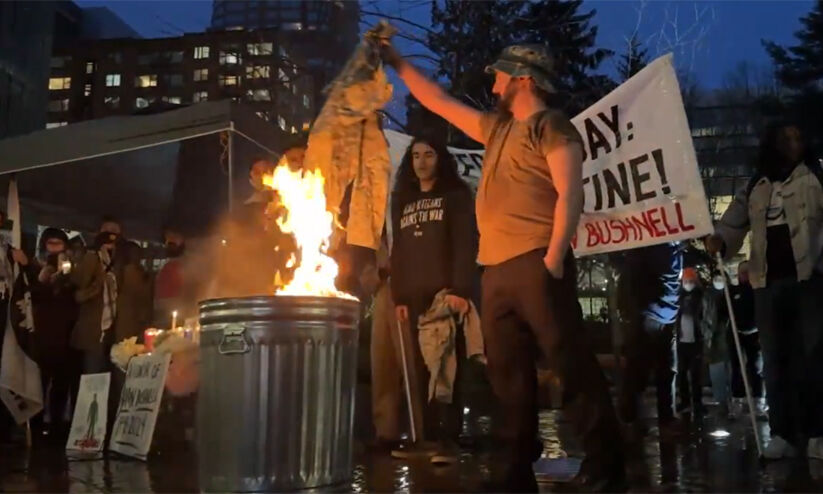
(528, 206)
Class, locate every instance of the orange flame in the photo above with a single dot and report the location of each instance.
(302, 195)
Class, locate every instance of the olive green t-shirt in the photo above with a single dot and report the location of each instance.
(516, 196)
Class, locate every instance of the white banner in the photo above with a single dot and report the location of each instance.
(88, 426)
(139, 404)
(640, 174)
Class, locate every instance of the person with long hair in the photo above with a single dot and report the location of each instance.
(782, 207)
(434, 248)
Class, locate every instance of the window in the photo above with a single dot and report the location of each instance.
(148, 80)
(293, 129)
(176, 100)
(263, 115)
(147, 58)
(173, 80)
(258, 72)
(58, 105)
(259, 48)
(292, 26)
(229, 80)
(59, 62)
(116, 57)
(58, 83)
(112, 80)
(201, 75)
(229, 58)
(174, 56)
(281, 74)
(54, 125)
(281, 122)
(306, 101)
(258, 94)
(89, 67)
(282, 52)
(201, 52)
(87, 90)
(143, 102)
(306, 126)
(112, 102)
(200, 96)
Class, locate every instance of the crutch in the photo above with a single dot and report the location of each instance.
(406, 382)
(743, 373)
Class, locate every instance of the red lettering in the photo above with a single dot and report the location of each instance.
(683, 225)
(669, 229)
(574, 242)
(618, 227)
(627, 224)
(655, 220)
(604, 231)
(593, 238)
(644, 224)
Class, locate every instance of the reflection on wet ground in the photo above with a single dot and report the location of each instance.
(707, 461)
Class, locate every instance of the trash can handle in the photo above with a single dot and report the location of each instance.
(234, 341)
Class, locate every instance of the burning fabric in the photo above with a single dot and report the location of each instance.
(347, 144)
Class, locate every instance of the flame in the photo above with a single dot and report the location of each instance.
(302, 195)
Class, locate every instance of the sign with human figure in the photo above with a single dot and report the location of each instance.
(88, 426)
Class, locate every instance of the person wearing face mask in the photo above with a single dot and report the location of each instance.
(170, 284)
(715, 322)
(97, 281)
(781, 208)
(55, 313)
(743, 303)
(690, 345)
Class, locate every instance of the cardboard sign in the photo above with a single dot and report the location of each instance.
(88, 426)
(139, 405)
(640, 177)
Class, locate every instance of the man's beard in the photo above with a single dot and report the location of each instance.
(505, 101)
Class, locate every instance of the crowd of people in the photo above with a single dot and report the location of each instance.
(675, 321)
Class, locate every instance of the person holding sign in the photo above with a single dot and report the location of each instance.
(782, 207)
(528, 206)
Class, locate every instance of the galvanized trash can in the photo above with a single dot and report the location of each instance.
(276, 402)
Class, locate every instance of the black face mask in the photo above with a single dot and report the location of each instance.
(175, 250)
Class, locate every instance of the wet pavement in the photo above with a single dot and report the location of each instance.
(718, 456)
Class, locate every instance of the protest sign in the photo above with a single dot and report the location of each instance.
(88, 426)
(640, 177)
(139, 404)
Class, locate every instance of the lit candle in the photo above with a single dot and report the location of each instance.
(66, 267)
(174, 320)
(148, 338)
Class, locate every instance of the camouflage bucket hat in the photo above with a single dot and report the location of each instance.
(526, 61)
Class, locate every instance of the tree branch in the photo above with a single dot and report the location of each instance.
(398, 19)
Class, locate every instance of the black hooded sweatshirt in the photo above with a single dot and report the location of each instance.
(434, 245)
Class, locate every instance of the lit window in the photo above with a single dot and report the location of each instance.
(176, 100)
(229, 80)
(87, 90)
(58, 83)
(306, 101)
(293, 129)
(201, 75)
(54, 125)
(112, 80)
(229, 58)
(112, 102)
(258, 94)
(281, 122)
(143, 102)
(259, 48)
(200, 96)
(306, 126)
(281, 74)
(292, 26)
(58, 105)
(201, 52)
(263, 115)
(149, 80)
(89, 67)
(258, 72)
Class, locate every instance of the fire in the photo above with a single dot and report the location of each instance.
(303, 197)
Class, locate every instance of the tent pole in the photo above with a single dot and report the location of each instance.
(231, 165)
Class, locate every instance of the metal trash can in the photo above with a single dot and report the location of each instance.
(276, 402)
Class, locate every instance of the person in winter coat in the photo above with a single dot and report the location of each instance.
(134, 298)
(96, 281)
(715, 323)
(782, 208)
(434, 248)
(55, 313)
(690, 344)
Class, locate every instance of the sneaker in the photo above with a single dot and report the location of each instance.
(815, 448)
(778, 449)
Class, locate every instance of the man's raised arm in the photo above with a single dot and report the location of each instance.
(433, 97)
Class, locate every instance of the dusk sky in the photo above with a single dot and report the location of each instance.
(710, 37)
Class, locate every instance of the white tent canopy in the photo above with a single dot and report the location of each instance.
(182, 166)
